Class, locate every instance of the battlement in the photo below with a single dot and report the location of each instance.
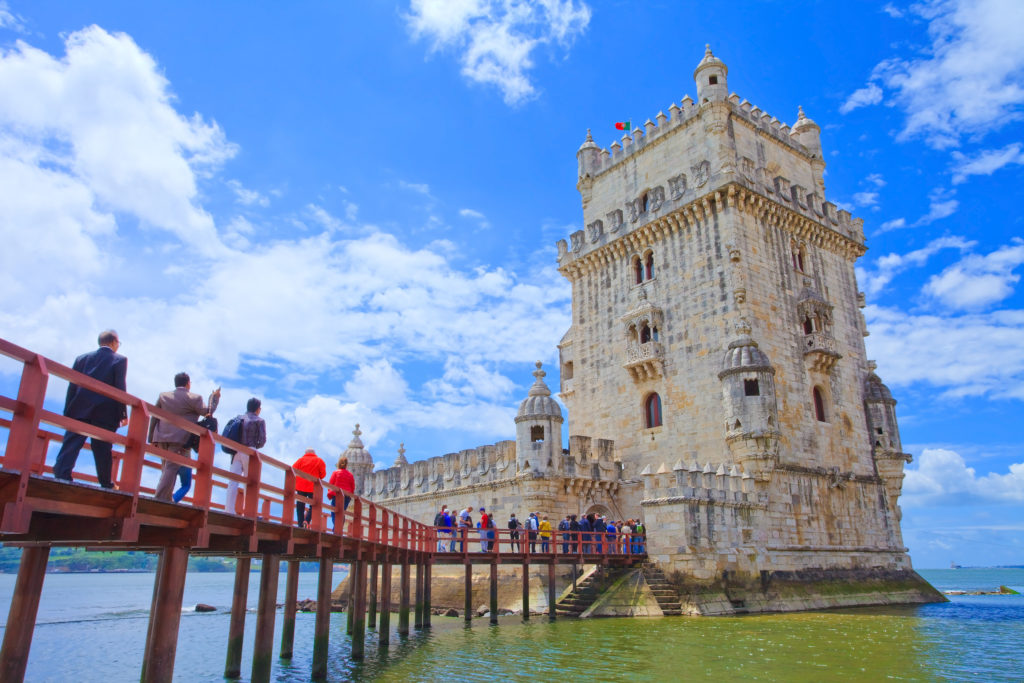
(693, 483)
(680, 116)
(586, 459)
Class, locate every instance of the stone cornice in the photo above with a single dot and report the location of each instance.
(732, 195)
(675, 500)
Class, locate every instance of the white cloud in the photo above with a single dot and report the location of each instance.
(894, 224)
(977, 281)
(876, 179)
(942, 478)
(325, 218)
(9, 20)
(101, 121)
(377, 384)
(961, 355)
(894, 12)
(421, 188)
(246, 196)
(986, 162)
(969, 82)
(865, 199)
(475, 215)
(497, 37)
(941, 204)
(874, 280)
(868, 95)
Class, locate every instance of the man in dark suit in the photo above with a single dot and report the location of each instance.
(107, 366)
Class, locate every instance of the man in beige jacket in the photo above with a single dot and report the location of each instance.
(165, 435)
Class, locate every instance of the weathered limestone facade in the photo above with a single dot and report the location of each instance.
(716, 365)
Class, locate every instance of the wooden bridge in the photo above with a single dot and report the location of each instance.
(37, 512)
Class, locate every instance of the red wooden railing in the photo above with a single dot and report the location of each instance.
(468, 544)
(26, 420)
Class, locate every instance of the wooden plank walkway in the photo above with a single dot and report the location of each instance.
(38, 512)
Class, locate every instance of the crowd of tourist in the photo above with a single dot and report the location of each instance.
(591, 533)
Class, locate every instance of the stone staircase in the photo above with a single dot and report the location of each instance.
(587, 591)
(664, 593)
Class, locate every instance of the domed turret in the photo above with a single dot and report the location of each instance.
(539, 429)
(748, 401)
(880, 407)
(587, 157)
(400, 461)
(360, 462)
(808, 134)
(710, 76)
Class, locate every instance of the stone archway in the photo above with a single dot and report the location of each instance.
(598, 510)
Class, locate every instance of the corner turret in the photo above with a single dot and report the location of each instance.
(360, 462)
(808, 133)
(710, 76)
(538, 429)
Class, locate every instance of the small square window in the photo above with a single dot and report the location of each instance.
(751, 387)
(713, 80)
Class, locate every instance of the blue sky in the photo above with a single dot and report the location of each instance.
(350, 209)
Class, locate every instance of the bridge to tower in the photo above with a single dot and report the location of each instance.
(37, 512)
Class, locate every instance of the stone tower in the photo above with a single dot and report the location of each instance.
(705, 230)
(539, 429)
(360, 462)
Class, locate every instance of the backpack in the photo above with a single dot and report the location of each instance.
(439, 519)
(490, 522)
(233, 431)
(513, 524)
(193, 439)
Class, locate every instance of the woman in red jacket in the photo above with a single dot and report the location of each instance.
(344, 480)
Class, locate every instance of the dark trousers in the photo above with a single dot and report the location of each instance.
(515, 541)
(565, 543)
(533, 541)
(73, 443)
(302, 514)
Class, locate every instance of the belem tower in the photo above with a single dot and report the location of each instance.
(714, 374)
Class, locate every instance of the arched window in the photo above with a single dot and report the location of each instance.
(819, 405)
(536, 433)
(808, 326)
(649, 266)
(652, 411)
(654, 333)
(646, 201)
(638, 270)
(645, 333)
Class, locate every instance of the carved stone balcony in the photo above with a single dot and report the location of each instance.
(644, 361)
(820, 351)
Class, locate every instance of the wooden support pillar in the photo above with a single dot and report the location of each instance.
(469, 592)
(418, 597)
(291, 597)
(350, 611)
(403, 599)
(322, 629)
(428, 571)
(236, 631)
(164, 615)
(494, 593)
(552, 609)
(263, 649)
(359, 611)
(384, 632)
(526, 591)
(371, 617)
(21, 619)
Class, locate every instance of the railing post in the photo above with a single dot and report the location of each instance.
(135, 449)
(21, 439)
(263, 648)
(357, 518)
(291, 596)
(250, 508)
(21, 619)
(288, 513)
(165, 615)
(236, 630)
(322, 628)
(316, 518)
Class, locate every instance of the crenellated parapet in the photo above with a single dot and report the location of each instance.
(707, 484)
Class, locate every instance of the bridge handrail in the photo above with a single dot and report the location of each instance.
(28, 443)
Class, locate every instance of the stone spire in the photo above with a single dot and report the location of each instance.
(400, 461)
(360, 462)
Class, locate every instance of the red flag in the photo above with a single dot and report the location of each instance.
(622, 125)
